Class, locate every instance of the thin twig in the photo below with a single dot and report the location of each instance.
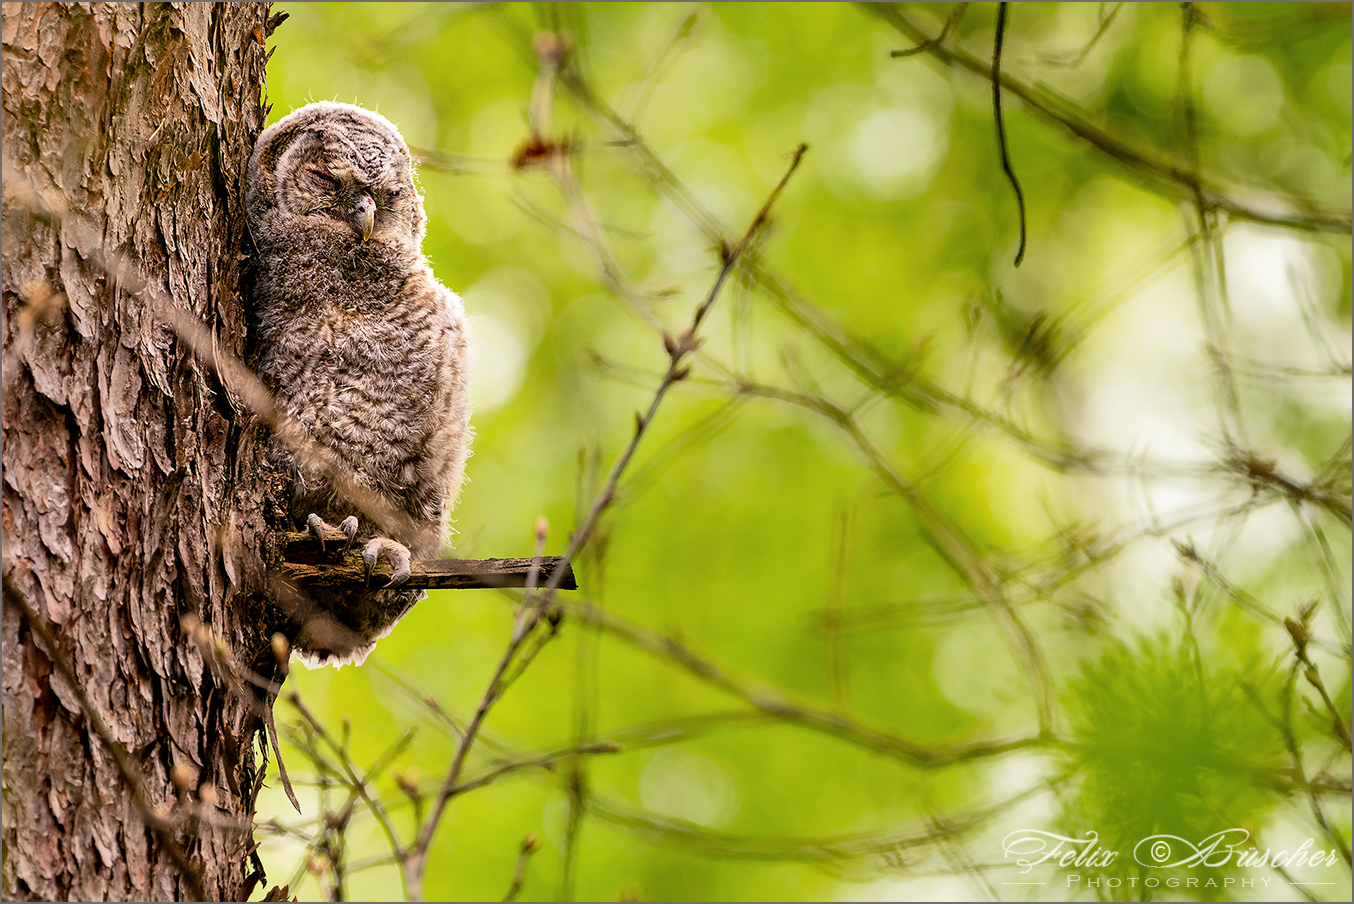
(546, 761)
(655, 68)
(1079, 58)
(950, 21)
(271, 723)
(1299, 630)
(1001, 128)
(519, 872)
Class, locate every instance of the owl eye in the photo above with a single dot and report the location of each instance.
(322, 178)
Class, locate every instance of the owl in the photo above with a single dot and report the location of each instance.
(363, 348)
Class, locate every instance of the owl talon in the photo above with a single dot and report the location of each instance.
(348, 526)
(315, 525)
(369, 560)
(397, 554)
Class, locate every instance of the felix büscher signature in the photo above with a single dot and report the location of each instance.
(1032, 847)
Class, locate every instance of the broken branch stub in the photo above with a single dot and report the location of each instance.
(305, 564)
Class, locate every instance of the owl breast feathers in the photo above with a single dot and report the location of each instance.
(362, 347)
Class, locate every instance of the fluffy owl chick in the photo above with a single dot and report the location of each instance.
(362, 347)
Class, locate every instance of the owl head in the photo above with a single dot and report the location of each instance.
(342, 168)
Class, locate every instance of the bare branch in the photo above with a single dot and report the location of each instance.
(436, 574)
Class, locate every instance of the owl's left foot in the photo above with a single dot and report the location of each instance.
(397, 554)
(317, 526)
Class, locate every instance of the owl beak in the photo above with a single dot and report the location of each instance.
(364, 217)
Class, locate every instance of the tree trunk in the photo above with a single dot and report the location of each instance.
(123, 453)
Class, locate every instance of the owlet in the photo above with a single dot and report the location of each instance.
(363, 349)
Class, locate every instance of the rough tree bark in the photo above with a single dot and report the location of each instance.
(122, 451)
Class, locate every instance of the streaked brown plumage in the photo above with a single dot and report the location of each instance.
(360, 344)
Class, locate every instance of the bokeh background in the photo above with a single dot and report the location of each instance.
(897, 455)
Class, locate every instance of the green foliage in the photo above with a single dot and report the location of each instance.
(896, 456)
(1161, 746)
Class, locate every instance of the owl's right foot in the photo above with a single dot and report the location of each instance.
(397, 554)
(317, 526)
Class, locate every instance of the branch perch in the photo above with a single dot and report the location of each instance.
(304, 563)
